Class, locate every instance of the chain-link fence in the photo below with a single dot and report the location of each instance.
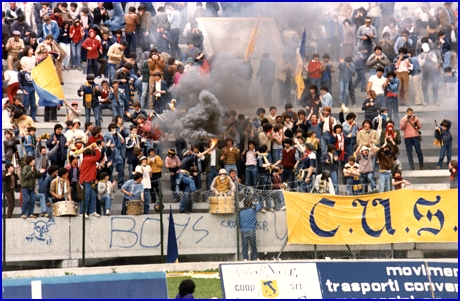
(220, 228)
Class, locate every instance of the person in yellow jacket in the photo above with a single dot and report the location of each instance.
(223, 184)
(156, 163)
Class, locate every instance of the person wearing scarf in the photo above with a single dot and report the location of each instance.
(379, 123)
(339, 141)
(323, 183)
(90, 92)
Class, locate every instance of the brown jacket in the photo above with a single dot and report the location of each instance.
(156, 65)
(132, 21)
(386, 161)
(444, 18)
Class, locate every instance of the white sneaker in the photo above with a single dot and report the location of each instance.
(95, 214)
(86, 215)
(107, 212)
(283, 208)
(272, 210)
(263, 210)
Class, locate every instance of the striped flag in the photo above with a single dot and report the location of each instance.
(172, 255)
(47, 85)
(252, 41)
(299, 65)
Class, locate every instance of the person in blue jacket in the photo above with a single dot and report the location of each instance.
(248, 224)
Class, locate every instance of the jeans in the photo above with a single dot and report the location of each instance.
(120, 171)
(385, 181)
(392, 106)
(41, 198)
(415, 142)
(73, 192)
(249, 238)
(97, 115)
(430, 78)
(229, 167)
(90, 199)
(66, 47)
(276, 154)
(145, 95)
(212, 174)
(117, 109)
(325, 137)
(447, 147)
(75, 50)
(50, 113)
(146, 200)
(186, 202)
(379, 100)
(316, 81)
(111, 72)
(106, 202)
(154, 183)
(92, 65)
(250, 173)
(327, 83)
(29, 100)
(278, 202)
(343, 91)
(307, 187)
(172, 181)
(446, 60)
(288, 177)
(367, 178)
(28, 200)
(175, 49)
(131, 40)
(360, 78)
(265, 197)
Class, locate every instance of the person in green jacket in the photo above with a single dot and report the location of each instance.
(29, 174)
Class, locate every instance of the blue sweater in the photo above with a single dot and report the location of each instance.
(248, 221)
(346, 73)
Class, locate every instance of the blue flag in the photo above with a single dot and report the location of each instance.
(303, 42)
(172, 255)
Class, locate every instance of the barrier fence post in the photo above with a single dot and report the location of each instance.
(392, 251)
(4, 226)
(160, 197)
(315, 249)
(83, 225)
(237, 206)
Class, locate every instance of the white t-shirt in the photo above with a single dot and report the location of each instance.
(377, 84)
(145, 171)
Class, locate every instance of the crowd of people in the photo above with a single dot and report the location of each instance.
(308, 150)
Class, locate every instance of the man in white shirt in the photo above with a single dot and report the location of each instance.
(146, 172)
(75, 133)
(377, 83)
(328, 125)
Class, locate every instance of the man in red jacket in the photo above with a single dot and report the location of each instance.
(92, 45)
(88, 175)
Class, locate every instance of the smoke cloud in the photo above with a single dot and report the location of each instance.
(203, 121)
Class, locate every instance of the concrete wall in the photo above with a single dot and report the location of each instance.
(128, 236)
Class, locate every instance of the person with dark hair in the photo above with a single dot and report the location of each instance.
(367, 33)
(28, 90)
(64, 41)
(144, 29)
(365, 158)
(411, 126)
(351, 176)
(324, 184)
(264, 181)
(326, 69)
(115, 56)
(378, 84)
(392, 95)
(88, 176)
(117, 99)
(248, 226)
(266, 76)
(56, 16)
(346, 70)
(158, 93)
(21, 26)
(289, 159)
(256, 121)
(11, 184)
(28, 177)
(132, 22)
(360, 61)
(77, 34)
(402, 66)
(370, 106)
(448, 18)
(60, 189)
(133, 190)
(377, 60)
(116, 142)
(186, 289)
(106, 191)
(100, 13)
(314, 70)
(90, 93)
(444, 136)
(350, 130)
(123, 75)
(12, 13)
(174, 20)
(386, 156)
(453, 169)
(57, 138)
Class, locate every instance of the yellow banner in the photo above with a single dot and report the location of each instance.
(391, 217)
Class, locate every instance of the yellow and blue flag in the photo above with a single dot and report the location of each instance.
(172, 255)
(47, 85)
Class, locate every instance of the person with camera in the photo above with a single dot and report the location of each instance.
(411, 126)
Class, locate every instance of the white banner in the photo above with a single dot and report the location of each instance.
(270, 281)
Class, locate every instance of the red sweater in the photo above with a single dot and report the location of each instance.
(92, 139)
(88, 170)
(95, 46)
